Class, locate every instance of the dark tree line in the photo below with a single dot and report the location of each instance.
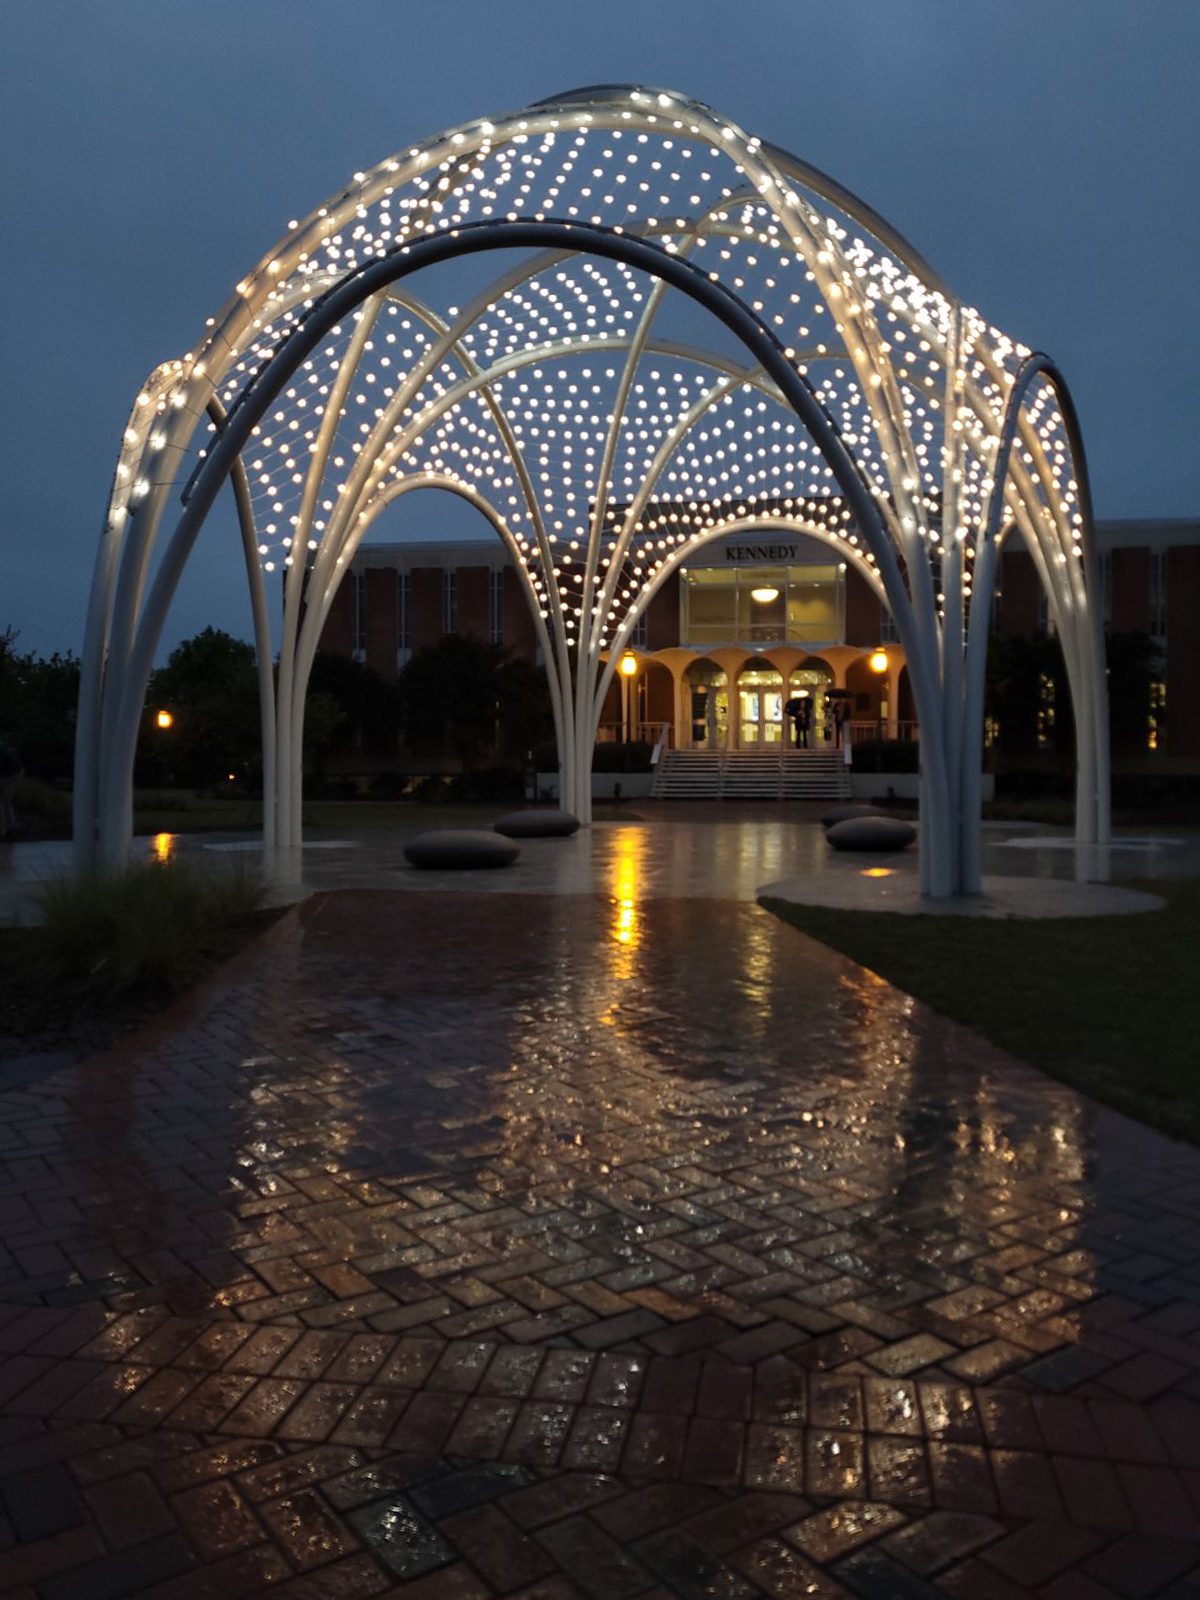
(1026, 677)
(462, 699)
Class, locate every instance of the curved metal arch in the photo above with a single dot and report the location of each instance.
(484, 506)
(1094, 776)
(262, 631)
(803, 171)
(450, 344)
(350, 510)
(881, 395)
(786, 201)
(328, 310)
(394, 173)
(374, 462)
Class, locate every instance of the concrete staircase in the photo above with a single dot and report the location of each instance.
(779, 774)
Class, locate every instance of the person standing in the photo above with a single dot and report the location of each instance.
(795, 709)
(10, 770)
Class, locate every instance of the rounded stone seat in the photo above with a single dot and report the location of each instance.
(542, 822)
(848, 810)
(460, 849)
(871, 833)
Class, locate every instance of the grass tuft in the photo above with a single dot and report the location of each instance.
(150, 928)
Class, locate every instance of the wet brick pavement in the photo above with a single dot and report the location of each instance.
(458, 1246)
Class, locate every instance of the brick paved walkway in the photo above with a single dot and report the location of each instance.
(459, 1246)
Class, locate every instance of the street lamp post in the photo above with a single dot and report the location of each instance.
(627, 667)
(878, 663)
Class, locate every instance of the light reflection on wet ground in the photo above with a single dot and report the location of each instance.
(711, 852)
(629, 1093)
(443, 1200)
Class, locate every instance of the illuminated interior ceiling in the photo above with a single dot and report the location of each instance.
(606, 424)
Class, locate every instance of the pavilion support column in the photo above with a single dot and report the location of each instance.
(587, 672)
(970, 840)
(952, 683)
(568, 774)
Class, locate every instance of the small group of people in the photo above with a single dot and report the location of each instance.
(830, 722)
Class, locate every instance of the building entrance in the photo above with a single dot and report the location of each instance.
(707, 689)
(760, 710)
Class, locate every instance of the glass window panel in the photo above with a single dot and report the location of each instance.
(813, 605)
(710, 613)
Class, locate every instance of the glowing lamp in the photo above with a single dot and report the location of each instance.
(628, 665)
(765, 595)
(163, 719)
(878, 661)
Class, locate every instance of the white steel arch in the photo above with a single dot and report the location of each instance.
(602, 446)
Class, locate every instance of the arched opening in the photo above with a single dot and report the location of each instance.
(868, 703)
(655, 702)
(706, 691)
(812, 682)
(760, 701)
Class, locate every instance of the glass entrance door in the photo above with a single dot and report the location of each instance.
(760, 710)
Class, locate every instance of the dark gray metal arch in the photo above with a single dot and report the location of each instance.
(474, 238)
(478, 237)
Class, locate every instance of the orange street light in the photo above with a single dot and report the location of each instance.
(163, 719)
(628, 665)
(878, 661)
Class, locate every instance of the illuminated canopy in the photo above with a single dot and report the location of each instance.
(620, 327)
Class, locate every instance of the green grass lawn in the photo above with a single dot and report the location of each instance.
(1110, 1005)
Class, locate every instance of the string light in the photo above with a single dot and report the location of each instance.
(588, 412)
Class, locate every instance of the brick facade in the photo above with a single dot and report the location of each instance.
(1139, 555)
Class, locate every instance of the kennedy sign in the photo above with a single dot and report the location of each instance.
(761, 552)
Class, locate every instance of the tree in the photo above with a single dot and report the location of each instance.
(38, 697)
(322, 719)
(1131, 659)
(210, 687)
(369, 708)
(526, 716)
(450, 698)
(1026, 679)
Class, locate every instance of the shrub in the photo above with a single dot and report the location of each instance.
(500, 782)
(149, 927)
(434, 789)
(388, 785)
(631, 757)
(886, 755)
(611, 757)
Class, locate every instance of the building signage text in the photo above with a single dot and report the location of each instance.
(761, 552)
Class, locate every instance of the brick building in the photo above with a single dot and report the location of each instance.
(756, 619)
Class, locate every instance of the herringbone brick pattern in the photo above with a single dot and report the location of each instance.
(462, 1246)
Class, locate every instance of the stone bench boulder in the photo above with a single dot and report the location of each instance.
(542, 822)
(871, 833)
(849, 809)
(459, 849)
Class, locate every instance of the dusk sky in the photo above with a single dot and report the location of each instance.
(1043, 155)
